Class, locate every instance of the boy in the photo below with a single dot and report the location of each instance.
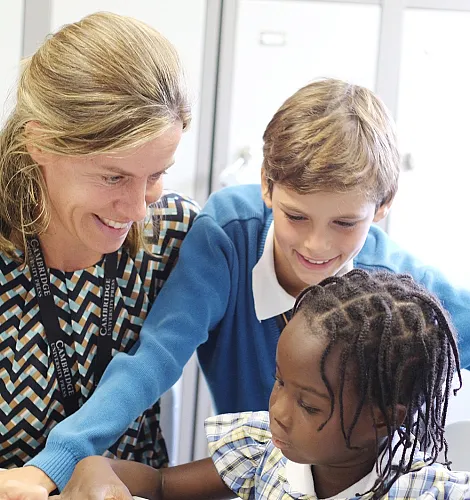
(330, 169)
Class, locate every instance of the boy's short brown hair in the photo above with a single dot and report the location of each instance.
(333, 136)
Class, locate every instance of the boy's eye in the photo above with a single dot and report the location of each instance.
(294, 217)
(309, 409)
(344, 223)
(112, 179)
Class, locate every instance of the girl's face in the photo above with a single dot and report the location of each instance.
(95, 200)
(300, 404)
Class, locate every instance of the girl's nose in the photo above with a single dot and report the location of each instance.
(280, 410)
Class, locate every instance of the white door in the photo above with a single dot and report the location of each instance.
(430, 213)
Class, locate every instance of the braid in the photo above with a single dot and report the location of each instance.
(403, 350)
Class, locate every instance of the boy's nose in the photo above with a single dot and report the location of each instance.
(318, 243)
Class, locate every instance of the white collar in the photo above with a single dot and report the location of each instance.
(269, 297)
(299, 476)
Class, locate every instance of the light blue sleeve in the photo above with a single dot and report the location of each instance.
(191, 303)
(380, 252)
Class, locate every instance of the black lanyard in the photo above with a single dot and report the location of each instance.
(54, 334)
(283, 319)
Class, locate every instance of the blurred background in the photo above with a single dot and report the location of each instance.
(245, 57)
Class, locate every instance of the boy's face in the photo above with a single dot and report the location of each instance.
(317, 234)
(300, 404)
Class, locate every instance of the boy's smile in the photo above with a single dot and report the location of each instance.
(317, 234)
(316, 264)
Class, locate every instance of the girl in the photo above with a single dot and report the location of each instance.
(363, 368)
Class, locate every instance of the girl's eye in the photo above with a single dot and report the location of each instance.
(112, 179)
(343, 223)
(295, 218)
(308, 409)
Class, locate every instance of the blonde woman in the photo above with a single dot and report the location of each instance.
(86, 237)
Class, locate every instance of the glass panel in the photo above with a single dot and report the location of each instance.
(429, 216)
(281, 46)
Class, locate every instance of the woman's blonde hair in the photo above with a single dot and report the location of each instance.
(333, 136)
(103, 84)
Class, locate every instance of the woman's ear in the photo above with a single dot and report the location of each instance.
(265, 192)
(39, 156)
(394, 420)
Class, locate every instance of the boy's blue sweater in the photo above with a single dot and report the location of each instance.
(208, 302)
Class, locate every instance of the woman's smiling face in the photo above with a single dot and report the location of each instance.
(95, 200)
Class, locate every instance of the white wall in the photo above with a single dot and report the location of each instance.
(11, 43)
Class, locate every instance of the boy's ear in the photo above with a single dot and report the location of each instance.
(38, 155)
(383, 210)
(380, 421)
(265, 189)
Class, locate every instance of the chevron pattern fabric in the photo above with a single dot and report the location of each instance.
(29, 396)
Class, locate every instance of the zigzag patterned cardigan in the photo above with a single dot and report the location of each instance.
(29, 397)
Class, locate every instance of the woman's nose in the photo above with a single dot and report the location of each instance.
(133, 203)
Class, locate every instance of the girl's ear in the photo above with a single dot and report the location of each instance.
(394, 420)
(265, 193)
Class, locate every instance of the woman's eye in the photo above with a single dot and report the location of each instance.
(278, 380)
(112, 179)
(343, 223)
(295, 218)
(156, 177)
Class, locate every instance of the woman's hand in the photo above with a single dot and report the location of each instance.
(94, 479)
(25, 483)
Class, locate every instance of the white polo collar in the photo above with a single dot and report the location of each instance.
(269, 297)
(299, 476)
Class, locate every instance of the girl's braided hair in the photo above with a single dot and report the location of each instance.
(402, 349)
